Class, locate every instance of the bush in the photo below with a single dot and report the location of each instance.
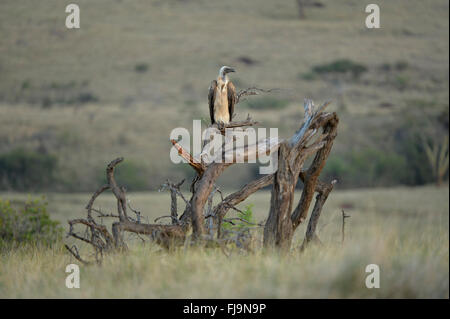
(368, 168)
(70, 93)
(22, 169)
(141, 67)
(401, 82)
(401, 65)
(308, 76)
(336, 168)
(385, 67)
(341, 66)
(29, 225)
(83, 98)
(68, 99)
(129, 174)
(246, 215)
(410, 145)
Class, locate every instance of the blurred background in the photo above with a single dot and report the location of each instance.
(73, 100)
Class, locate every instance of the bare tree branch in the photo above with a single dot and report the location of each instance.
(252, 91)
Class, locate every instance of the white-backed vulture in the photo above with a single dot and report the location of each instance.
(222, 97)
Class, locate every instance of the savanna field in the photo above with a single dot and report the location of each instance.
(402, 230)
(73, 100)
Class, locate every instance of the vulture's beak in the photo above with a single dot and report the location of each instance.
(229, 70)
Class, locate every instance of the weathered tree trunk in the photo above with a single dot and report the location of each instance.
(281, 223)
(278, 230)
(202, 190)
(312, 174)
(321, 197)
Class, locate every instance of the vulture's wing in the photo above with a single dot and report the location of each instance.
(231, 98)
(211, 98)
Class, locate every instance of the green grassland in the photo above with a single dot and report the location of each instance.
(137, 69)
(403, 230)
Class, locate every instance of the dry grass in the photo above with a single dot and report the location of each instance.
(183, 43)
(403, 230)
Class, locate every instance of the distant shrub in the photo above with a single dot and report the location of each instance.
(46, 102)
(401, 65)
(141, 67)
(385, 67)
(401, 82)
(69, 99)
(184, 170)
(341, 66)
(336, 168)
(129, 174)
(367, 168)
(308, 76)
(247, 60)
(28, 225)
(82, 98)
(22, 169)
(56, 93)
(265, 103)
(398, 66)
(378, 168)
(409, 142)
(26, 85)
(443, 118)
(419, 170)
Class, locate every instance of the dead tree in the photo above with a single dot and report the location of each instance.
(315, 136)
(283, 220)
(103, 241)
(323, 190)
(292, 154)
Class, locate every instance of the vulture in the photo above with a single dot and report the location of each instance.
(222, 97)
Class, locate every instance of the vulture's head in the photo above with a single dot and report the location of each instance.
(224, 70)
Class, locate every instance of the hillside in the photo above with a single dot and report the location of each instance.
(137, 69)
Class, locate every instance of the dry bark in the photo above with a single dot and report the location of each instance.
(321, 197)
(282, 222)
